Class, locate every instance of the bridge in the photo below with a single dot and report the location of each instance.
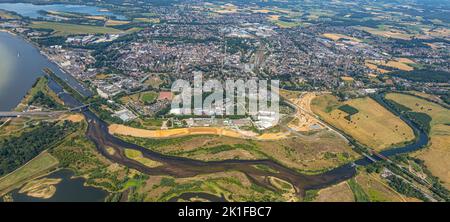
(42, 113)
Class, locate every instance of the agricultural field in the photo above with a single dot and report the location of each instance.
(437, 154)
(64, 29)
(40, 165)
(372, 124)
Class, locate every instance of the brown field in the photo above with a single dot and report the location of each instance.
(303, 120)
(74, 117)
(143, 133)
(324, 152)
(373, 64)
(437, 154)
(347, 78)
(135, 132)
(336, 37)
(391, 33)
(373, 125)
(439, 33)
(111, 22)
(399, 65)
(336, 193)
(101, 76)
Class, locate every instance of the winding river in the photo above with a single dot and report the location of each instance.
(183, 167)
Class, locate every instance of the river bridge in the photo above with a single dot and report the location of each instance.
(43, 113)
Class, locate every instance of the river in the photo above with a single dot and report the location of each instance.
(184, 167)
(21, 64)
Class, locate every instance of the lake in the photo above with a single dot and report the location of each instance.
(32, 11)
(20, 65)
(68, 190)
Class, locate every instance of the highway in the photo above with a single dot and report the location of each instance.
(42, 113)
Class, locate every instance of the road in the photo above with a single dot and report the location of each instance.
(41, 113)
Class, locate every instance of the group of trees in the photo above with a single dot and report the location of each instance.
(17, 150)
(405, 188)
(423, 75)
(40, 99)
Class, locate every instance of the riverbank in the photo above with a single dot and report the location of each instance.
(118, 129)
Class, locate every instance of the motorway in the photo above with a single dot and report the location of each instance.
(42, 113)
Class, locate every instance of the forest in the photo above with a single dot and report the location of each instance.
(17, 150)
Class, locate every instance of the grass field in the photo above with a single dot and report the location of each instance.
(437, 155)
(377, 190)
(148, 97)
(40, 165)
(358, 192)
(142, 97)
(63, 29)
(137, 155)
(373, 125)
